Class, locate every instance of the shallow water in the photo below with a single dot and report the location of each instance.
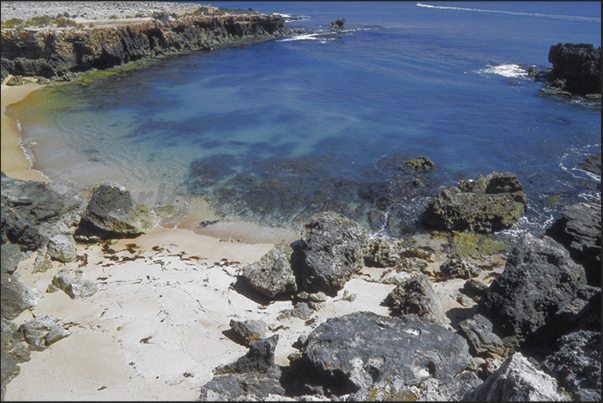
(275, 132)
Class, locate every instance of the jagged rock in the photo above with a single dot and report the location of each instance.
(516, 380)
(577, 364)
(301, 310)
(474, 289)
(249, 331)
(457, 267)
(420, 164)
(478, 332)
(9, 370)
(62, 248)
(39, 333)
(112, 213)
(576, 68)
(359, 350)
(259, 358)
(73, 284)
(272, 274)
(42, 263)
(579, 230)
(56, 53)
(415, 295)
(13, 343)
(11, 256)
(384, 252)
(16, 296)
(538, 280)
(332, 250)
(488, 204)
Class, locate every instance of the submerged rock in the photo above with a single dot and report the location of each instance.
(272, 274)
(332, 250)
(517, 380)
(420, 164)
(488, 204)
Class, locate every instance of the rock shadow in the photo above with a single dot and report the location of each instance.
(457, 315)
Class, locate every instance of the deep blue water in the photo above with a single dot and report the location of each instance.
(275, 132)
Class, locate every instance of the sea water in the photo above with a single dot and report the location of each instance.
(272, 133)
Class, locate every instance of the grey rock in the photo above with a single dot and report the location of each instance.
(332, 250)
(11, 255)
(73, 284)
(516, 380)
(474, 289)
(384, 252)
(272, 274)
(249, 331)
(8, 369)
(62, 248)
(112, 213)
(488, 204)
(538, 280)
(39, 333)
(457, 267)
(577, 364)
(259, 358)
(42, 263)
(16, 297)
(482, 341)
(301, 310)
(579, 230)
(361, 349)
(246, 386)
(415, 295)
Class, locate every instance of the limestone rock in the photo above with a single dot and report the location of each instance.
(457, 267)
(73, 284)
(516, 380)
(272, 274)
(488, 204)
(415, 295)
(249, 331)
(538, 280)
(579, 230)
(62, 248)
(112, 213)
(478, 332)
(9, 370)
(39, 333)
(332, 250)
(11, 256)
(16, 296)
(384, 252)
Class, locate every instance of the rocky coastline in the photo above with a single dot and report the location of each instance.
(335, 315)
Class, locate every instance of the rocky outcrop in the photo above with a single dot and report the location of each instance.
(579, 230)
(57, 52)
(539, 280)
(331, 251)
(577, 365)
(415, 295)
(576, 68)
(113, 213)
(272, 274)
(517, 380)
(488, 204)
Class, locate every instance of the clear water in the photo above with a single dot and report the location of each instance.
(275, 132)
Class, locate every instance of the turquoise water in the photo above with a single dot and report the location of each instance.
(275, 132)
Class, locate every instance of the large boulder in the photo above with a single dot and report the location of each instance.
(517, 380)
(488, 204)
(415, 295)
(576, 68)
(539, 279)
(272, 274)
(579, 230)
(359, 350)
(577, 364)
(331, 251)
(113, 213)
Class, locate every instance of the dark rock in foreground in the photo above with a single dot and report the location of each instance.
(539, 279)
(488, 204)
(576, 68)
(579, 230)
(332, 250)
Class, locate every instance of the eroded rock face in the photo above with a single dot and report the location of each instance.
(517, 380)
(332, 250)
(362, 349)
(576, 68)
(112, 213)
(415, 295)
(272, 274)
(488, 204)
(579, 230)
(539, 279)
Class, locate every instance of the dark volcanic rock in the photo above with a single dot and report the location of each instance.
(539, 279)
(112, 213)
(272, 274)
(259, 358)
(361, 349)
(415, 295)
(577, 364)
(490, 203)
(576, 68)
(332, 250)
(579, 230)
(517, 380)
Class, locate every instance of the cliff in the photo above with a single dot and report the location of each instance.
(56, 52)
